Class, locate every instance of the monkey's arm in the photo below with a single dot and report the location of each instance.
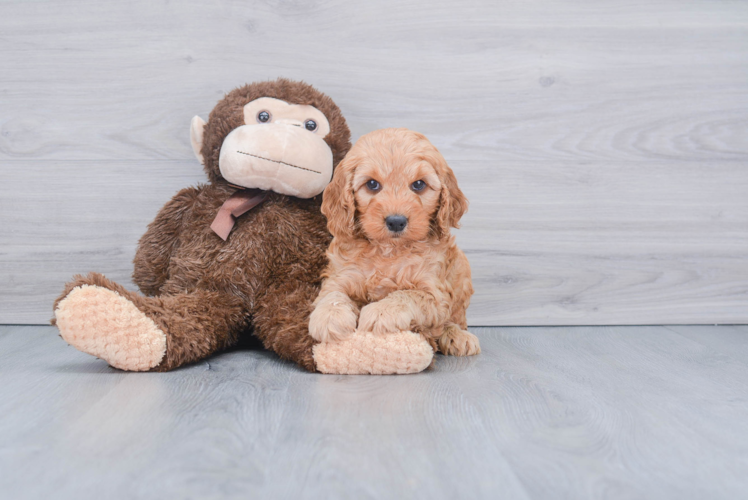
(157, 245)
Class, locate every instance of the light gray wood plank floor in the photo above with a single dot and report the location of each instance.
(543, 412)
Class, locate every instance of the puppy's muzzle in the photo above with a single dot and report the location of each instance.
(396, 223)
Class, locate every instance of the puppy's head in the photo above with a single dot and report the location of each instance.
(393, 186)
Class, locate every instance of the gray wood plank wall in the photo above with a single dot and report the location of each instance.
(603, 145)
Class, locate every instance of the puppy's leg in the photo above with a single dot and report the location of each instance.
(455, 341)
(401, 310)
(334, 317)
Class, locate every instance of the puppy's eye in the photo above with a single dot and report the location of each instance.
(373, 185)
(263, 117)
(418, 185)
(310, 125)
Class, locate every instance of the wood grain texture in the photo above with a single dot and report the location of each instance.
(486, 80)
(604, 148)
(584, 412)
(606, 244)
(557, 244)
(729, 340)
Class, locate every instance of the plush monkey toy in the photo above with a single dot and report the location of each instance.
(240, 255)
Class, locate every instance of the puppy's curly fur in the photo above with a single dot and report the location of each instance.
(385, 278)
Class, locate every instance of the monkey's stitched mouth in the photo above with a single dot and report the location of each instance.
(278, 161)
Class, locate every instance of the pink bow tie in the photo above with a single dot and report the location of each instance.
(235, 205)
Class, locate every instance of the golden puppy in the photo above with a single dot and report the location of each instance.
(393, 265)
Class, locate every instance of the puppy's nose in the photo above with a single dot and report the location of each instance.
(396, 223)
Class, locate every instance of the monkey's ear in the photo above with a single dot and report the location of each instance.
(197, 127)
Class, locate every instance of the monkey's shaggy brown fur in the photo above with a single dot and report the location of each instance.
(204, 293)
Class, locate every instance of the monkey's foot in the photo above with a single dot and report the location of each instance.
(366, 353)
(101, 322)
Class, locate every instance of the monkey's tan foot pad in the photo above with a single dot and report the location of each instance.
(366, 353)
(101, 322)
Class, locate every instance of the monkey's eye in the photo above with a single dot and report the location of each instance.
(310, 125)
(263, 117)
(418, 185)
(373, 185)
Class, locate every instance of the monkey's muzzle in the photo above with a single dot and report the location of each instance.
(279, 157)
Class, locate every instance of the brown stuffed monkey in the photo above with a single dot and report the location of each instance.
(240, 255)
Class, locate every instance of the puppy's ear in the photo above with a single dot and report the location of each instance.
(338, 203)
(452, 203)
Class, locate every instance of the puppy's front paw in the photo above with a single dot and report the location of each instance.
(457, 342)
(332, 322)
(384, 317)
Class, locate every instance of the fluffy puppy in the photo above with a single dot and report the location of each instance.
(393, 264)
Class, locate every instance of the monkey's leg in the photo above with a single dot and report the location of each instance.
(281, 321)
(137, 333)
(367, 353)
